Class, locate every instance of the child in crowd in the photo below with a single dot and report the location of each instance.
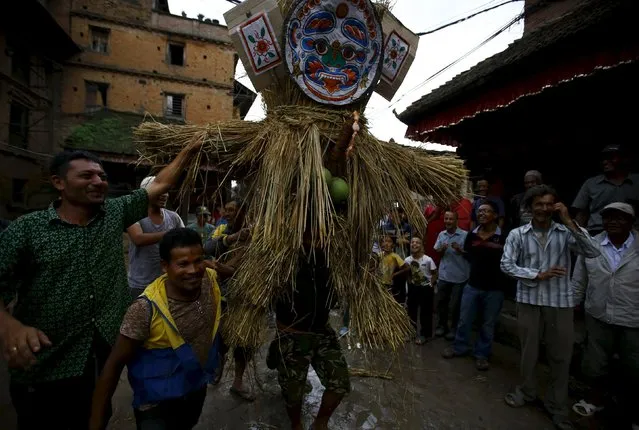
(392, 269)
(421, 291)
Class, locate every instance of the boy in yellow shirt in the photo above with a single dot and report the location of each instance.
(392, 269)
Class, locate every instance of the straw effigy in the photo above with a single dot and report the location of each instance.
(282, 157)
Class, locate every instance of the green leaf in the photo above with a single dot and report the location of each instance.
(394, 42)
(402, 49)
(263, 32)
(394, 65)
(259, 61)
(270, 54)
(251, 38)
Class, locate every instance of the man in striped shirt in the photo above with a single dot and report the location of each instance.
(538, 256)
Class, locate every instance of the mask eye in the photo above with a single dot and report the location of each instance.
(321, 46)
(348, 52)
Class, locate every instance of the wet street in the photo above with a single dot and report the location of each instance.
(426, 392)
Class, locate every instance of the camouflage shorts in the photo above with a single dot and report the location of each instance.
(320, 350)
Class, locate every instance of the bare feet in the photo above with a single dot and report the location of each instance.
(238, 390)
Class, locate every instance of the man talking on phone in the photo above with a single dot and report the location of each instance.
(538, 255)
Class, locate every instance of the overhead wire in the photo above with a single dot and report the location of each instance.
(473, 12)
(472, 15)
(423, 83)
(462, 14)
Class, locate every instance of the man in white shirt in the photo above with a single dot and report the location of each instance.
(144, 242)
(453, 274)
(610, 284)
(538, 255)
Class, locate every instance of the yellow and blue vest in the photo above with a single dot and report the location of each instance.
(166, 367)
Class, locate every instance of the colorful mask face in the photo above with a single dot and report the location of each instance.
(333, 49)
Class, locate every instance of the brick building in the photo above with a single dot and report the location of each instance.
(120, 60)
(139, 59)
(30, 77)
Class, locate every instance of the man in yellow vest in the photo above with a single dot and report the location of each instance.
(168, 340)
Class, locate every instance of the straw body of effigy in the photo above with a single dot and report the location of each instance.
(283, 157)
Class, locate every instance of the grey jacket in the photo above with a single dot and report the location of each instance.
(612, 296)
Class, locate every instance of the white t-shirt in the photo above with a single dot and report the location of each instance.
(421, 270)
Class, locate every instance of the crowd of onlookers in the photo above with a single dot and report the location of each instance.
(475, 249)
(80, 317)
(72, 316)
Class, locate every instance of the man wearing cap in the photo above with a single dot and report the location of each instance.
(201, 225)
(616, 184)
(144, 238)
(610, 284)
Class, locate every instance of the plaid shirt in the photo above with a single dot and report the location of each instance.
(524, 258)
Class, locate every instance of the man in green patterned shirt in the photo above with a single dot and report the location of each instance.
(66, 265)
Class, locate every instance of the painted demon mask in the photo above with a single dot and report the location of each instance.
(333, 49)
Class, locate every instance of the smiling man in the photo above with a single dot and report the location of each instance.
(609, 283)
(538, 255)
(168, 340)
(483, 293)
(66, 265)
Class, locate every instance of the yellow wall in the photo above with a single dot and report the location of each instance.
(128, 93)
(136, 66)
(137, 49)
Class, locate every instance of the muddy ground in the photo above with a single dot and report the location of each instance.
(425, 392)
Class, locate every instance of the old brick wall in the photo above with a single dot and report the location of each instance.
(23, 170)
(137, 68)
(139, 94)
(193, 27)
(137, 49)
(60, 10)
(134, 11)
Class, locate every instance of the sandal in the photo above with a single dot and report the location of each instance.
(515, 400)
(482, 364)
(563, 423)
(242, 394)
(585, 409)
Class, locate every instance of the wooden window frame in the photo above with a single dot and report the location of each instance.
(101, 89)
(104, 30)
(168, 53)
(169, 112)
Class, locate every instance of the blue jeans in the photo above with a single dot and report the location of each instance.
(489, 302)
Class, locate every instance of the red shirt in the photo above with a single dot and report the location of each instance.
(464, 209)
